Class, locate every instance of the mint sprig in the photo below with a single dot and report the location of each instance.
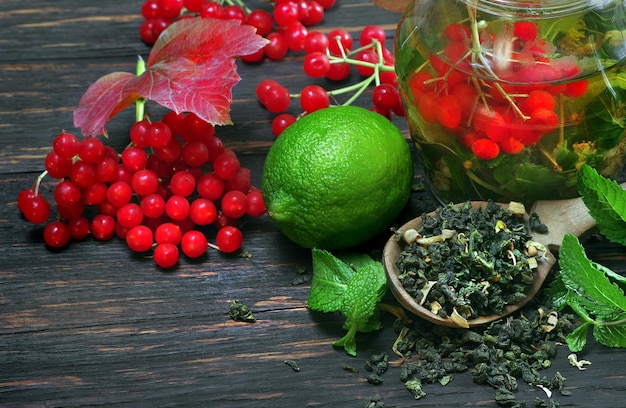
(352, 284)
(597, 300)
(593, 291)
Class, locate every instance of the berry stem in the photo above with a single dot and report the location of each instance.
(555, 166)
(39, 180)
(141, 102)
(238, 3)
(213, 246)
(362, 85)
(474, 178)
(562, 127)
(476, 46)
(511, 102)
(359, 88)
(346, 58)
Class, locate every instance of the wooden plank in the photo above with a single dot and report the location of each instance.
(94, 324)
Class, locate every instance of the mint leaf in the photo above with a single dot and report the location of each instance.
(614, 276)
(593, 296)
(558, 293)
(348, 342)
(526, 180)
(580, 275)
(604, 117)
(577, 339)
(365, 290)
(611, 335)
(329, 283)
(355, 260)
(359, 303)
(606, 201)
(352, 284)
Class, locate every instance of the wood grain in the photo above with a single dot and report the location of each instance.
(94, 324)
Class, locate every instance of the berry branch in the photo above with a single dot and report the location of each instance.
(140, 104)
(175, 180)
(358, 88)
(331, 57)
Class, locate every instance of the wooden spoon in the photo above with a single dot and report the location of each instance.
(560, 216)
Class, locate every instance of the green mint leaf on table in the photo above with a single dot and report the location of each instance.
(191, 68)
(606, 201)
(359, 304)
(330, 281)
(353, 285)
(598, 301)
(577, 339)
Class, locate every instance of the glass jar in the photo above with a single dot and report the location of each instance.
(506, 99)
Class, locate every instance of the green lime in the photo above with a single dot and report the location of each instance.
(337, 177)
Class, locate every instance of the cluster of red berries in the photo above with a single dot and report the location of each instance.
(492, 116)
(332, 56)
(285, 26)
(172, 182)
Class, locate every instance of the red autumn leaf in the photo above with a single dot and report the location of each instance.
(191, 68)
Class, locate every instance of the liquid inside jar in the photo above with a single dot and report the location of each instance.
(507, 99)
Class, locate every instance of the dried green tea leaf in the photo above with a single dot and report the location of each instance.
(240, 312)
(293, 364)
(374, 379)
(497, 354)
(415, 388)
(468, 262)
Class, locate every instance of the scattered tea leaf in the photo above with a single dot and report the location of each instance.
(240, 312)
(498, 354)
(415, 388)
(293, 364)
(374, 402)
(580, 364)
(374, 379)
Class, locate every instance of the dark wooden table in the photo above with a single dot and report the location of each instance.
(94, 324)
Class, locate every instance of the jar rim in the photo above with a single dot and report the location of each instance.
(529, 9)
